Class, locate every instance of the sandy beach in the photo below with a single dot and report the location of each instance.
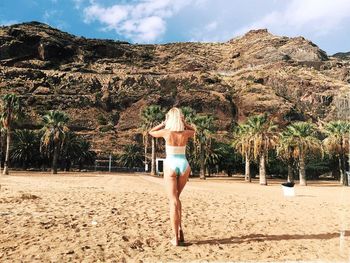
(101, 217)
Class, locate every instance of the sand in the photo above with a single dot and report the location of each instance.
(101, 217)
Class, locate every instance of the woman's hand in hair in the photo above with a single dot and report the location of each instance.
(158, 131)
(158, 127)
(189, 127)
(183, 119)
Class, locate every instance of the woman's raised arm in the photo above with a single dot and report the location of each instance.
(189, 127)
(156, 130)
(190, 131)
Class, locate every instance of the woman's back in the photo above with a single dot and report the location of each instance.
(176, 133)
(176, 138)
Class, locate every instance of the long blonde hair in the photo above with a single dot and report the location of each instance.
(174, 120)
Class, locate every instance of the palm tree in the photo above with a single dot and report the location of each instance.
(77, 150)
(151, 116)
(70, 150)
(263, 138)
(55, 128)
(336, 144)
(86, 155)
(204, 129)
(2, 130)
(228, 157)
(132, 156)
(242, 143)
(10, 113)
(301, 136)
(286, 151)
(25, 149)
(189, 114)
(220, 156)
(212, 156)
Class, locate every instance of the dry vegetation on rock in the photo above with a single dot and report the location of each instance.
(103, 84)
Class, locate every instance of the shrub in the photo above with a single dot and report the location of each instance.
(102, 120)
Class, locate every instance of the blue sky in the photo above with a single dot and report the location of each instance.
(325, 22)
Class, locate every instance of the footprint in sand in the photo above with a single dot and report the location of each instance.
(137, 245)
(125, 238)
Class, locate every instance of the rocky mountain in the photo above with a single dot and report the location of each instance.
(103, 84)
(342, 55)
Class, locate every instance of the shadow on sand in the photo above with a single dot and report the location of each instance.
(270, 181)
(304, 196)
(261, 238)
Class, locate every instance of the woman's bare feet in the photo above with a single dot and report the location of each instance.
(181, 236)
(174, 242)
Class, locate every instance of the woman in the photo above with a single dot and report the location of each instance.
(176, 133)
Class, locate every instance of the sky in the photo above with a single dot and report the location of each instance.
(324, 22)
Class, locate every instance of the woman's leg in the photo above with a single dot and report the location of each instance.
(170, 181)
(181, 182)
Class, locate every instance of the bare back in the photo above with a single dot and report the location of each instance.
(177, 138)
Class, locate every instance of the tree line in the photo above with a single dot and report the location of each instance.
(54, 142)
(258, 145)
(258, 140)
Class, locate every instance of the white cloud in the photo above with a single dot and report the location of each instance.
(78, 3)
(143, 21)
(201, 3)
(49, 14)
(318, 17)
(53, 18)
(150, 28)
(314, 19)
(211, 26)
(8, 22)
(210, 32)
(111, 16)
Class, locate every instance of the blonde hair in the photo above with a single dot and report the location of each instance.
(174, 120)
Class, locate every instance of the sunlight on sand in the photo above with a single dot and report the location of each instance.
(124, 218)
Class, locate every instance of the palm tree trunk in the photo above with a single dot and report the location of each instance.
(262, 170)
(25, 164)
(290, 177)
(68, 165)
(7, 153)
(302, 174)
(153, 166)
(343, 176)
(80, 165)
(54, 160)
(341, 171)
(342, 165)
(146, 144)
(0, 151)
(202, 162)
(336, 169)
(247, 176)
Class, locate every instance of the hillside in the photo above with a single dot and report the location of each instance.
(342, 55)
(92, 79)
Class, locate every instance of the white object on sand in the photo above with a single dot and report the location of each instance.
(288, 191)
(93, 222)
(341, 240)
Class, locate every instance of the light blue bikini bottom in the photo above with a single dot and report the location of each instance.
(176, 162)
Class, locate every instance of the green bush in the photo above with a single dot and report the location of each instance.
(114, 118)
(106, 128)
(102, 120)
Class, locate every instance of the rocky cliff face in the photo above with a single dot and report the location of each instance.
(103, 85)
(342, 55)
